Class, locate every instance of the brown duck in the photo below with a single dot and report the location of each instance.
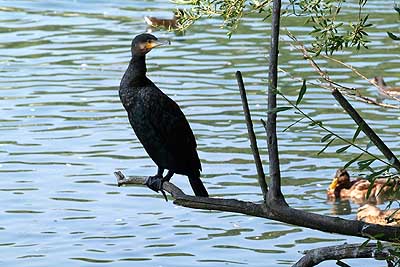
(372, 214)
(166, 23)
(357, 190)
(384, 88)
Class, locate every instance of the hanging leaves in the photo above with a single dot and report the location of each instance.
(342, 149)
(279, 109)
(301, 93)
(359, 129)
(352, 161)
(393, 36)
(326, 146)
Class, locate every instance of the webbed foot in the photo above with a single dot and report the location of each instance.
(155, 183)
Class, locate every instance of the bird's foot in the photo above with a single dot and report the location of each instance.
(155, 183)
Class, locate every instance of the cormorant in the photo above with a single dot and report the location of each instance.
(158, 122)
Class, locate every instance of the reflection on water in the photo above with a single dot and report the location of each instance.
(64, 132)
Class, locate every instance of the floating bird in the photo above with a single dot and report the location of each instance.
(372, 214)
(384, 88)
(167, 23)
(158, 122)
(357, 190)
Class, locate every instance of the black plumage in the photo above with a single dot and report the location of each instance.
(158, 122)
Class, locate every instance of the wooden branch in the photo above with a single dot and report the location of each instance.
(252, 136)
(367, 130)
(274, 193)
(346, 251)
(276, 211)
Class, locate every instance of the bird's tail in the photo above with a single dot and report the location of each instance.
(198, 186)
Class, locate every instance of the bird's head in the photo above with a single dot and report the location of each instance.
(341, 177)
(378, 80)
(144, 43)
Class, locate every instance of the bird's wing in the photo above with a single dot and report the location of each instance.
(170, 123)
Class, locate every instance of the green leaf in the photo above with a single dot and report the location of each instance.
(326, 146)
(372, 177)
(326, 137)
(279, 109)
(390, 217)
(379, 245)
(342, 264)
(301, 93)
(397, 9)
(352, 161)
(365, 163)
(370, 144)
(370, 188)
(365, 243)
(319, 123)
(359, 129)
(394, 252)
(377, 173)
(393, 36)
(294, 123)
(342, 149)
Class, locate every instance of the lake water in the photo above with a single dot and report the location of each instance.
(64, 132)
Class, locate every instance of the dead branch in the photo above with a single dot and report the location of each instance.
(275, 193)
(360, 75)
(346, 251)
(252, 136)
(275, 211)
(350, 92)
(366, 129)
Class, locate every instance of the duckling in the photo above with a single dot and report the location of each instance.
(166, 23)
(357, 190)
(384, 88)
(372, 214)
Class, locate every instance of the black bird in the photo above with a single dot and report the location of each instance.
(158, 122)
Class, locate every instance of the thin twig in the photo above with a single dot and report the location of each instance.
(351, 92)
(275, 211)
(362, 76)
(274, 193)
(252, 136)
(333, 134)
(367, 130)
(346, 251)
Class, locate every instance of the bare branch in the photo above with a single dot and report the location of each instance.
(252, 136)
(275, 193)
(366, 129)
(277, 211)
(346, 251)
(362, 76)
(350, 92)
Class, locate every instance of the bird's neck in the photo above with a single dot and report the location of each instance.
(136, 72)
(381, 82)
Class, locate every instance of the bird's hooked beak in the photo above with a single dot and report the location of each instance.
(155, 43)
(334, 183)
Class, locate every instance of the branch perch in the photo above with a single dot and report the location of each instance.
(275, 211)
(346, 251)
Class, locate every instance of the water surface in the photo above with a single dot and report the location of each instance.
(64, 133)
